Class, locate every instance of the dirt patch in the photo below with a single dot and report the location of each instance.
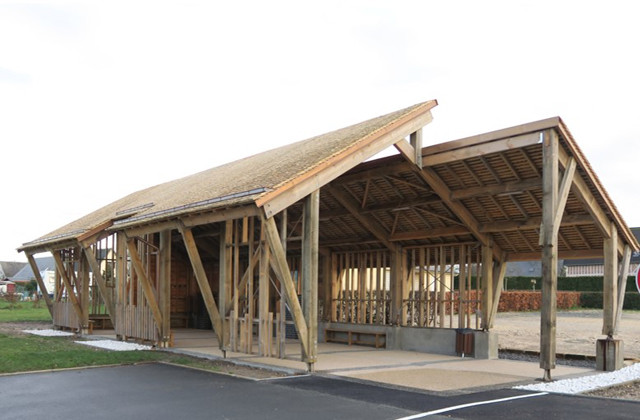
(16, 328)
(628, 391)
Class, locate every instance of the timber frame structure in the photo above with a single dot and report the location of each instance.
(314, 233)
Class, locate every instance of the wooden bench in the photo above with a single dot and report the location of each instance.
(355, 337)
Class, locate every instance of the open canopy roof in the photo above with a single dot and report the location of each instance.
(485, 188)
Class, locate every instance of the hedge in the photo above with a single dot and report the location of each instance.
(578, 284)
(594, 300)
(515, 301)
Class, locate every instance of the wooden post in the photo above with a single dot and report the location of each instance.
(310, 273)
(43, 287)
(84, 289)
(487, 285)
(415, 139)
(397, 288)
(549, 242)
(610, 285)
(165, 286)
(462, 288)
(263, 300)
(282, 338)
(225, 279)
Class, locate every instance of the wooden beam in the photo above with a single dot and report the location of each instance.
(623, 274)
(310, 272)
(458, 209)
(406, 150)
(583, 193)
(393, 205)
(487, 286)
(275, 201)
(164, 255)
(563, 192)
(367, 222)
(281, 268)
(473, 151)
(67, 284)
(610, 283)
(565, 255)
(429, 233)
(147, 289)
(499, 271)
(102, 284)
(416, 143)
(549, 242)
(264, 336)
(203, 282)
(92, 234)
(43, 287)
(493, 190)
(534, 223)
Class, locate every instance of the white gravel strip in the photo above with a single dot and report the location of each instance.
(114, 345)
(587, 383)
(49, 333)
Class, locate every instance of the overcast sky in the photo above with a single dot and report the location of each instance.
(100, 99)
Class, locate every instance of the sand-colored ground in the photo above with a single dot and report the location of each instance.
(576, 331)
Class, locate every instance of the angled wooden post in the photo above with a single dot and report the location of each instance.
(43, 287)
(499, 271)
(67, 284)
(203, 283)
(549, 242)
(310, 224)
(610, 283)
(622, 284)
(102, 285)
(147, 289)
(165, 286)
(281, 268)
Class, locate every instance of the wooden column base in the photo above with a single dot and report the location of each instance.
(609, 354)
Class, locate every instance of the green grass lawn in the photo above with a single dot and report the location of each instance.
(23, 352)
(24, 311)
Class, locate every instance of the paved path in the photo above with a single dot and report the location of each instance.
(156, 391)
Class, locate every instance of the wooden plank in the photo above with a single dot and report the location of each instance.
(549, 236)
(147, 289)
(493, 190)
(294, 190)
(367, 222)
(203, 282)
(43, 287)
(483, 149)
(610, 283)
(102, 284)
(67, 284)
(165, 286)
(281, 268)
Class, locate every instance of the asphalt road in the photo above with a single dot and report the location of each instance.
(157, 391)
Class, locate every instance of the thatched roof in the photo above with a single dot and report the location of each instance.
(236, 183)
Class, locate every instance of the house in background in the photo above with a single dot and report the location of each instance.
(46, 267)
(9, 268)
(595, 266)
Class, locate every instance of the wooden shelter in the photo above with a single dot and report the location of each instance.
(315, 231)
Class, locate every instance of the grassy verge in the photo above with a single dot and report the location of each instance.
(24, 353)
(24, 311)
